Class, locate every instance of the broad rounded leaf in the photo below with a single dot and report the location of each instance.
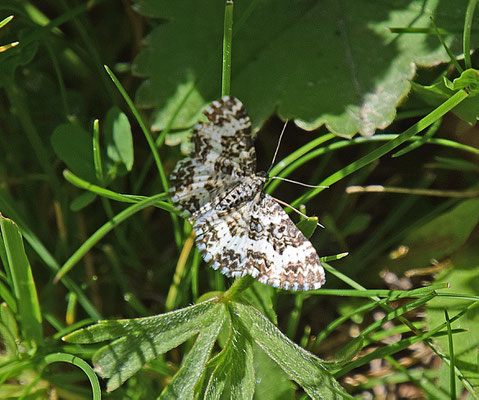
(328, 62)
(73, 145)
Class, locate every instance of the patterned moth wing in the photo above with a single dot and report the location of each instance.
(223, 154)
(240, 229)
(247, 232)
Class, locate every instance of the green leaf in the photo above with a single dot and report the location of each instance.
(469, 79)
(82, 201)
(73, 145)
(8, 319)
(141, 340)
(9, 344)
(18, 268)
(438, 238)
(118, 138)
(303, 367)
(353, 72)
(463, 278)
(308, 226)
(184, 382)
(272, 383)
(21, 54)
(261, 296)
(434, 95)
(234, 366)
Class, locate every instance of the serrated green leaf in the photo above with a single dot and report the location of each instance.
(354, 70)
(19, 270)
(303, 367)
(194, 364)
(118, 138)
(142, 339)
(234, 367)
(73, 145)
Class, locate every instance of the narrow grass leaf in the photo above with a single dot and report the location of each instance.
(303, 367)
(421, 140)
(452, 364)
(9, 343)
(6, 294)
(8, 319)
(388, 317)
(22, 279)
(6, 204)
(97, 152)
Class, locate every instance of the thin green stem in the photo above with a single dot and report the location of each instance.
(227, 41)
(97, 152)
(466, 41)
(446, 47)
(238, 286)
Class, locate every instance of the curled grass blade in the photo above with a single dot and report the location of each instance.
(78, 362)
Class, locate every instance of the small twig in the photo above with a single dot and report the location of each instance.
(419, 192)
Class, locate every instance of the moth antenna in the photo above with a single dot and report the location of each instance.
(298, 183)
(296, 210)
(277, 146)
